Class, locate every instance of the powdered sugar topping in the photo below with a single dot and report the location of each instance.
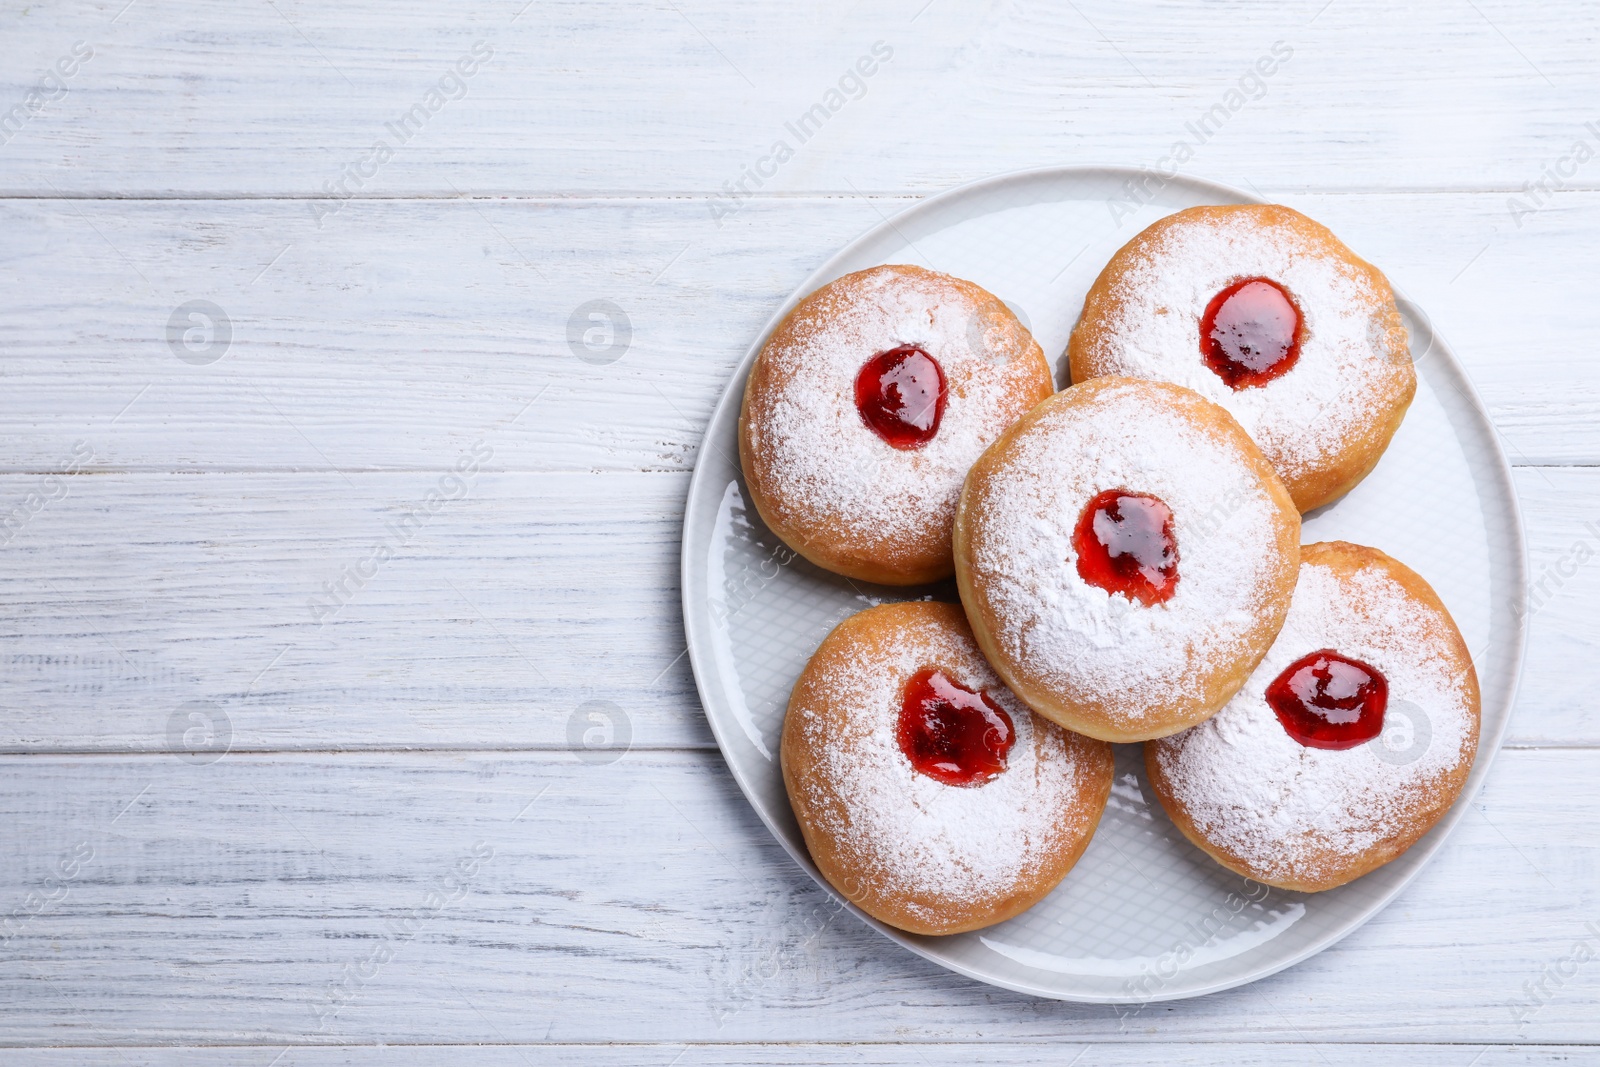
(1097, 647)
(931, 841)
(825, 462)
(1282, 807)
(1300, 419)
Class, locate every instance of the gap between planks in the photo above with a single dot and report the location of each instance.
(611, 195)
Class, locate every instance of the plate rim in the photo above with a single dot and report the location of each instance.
(696, 614)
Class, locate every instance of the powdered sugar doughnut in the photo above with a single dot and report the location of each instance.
(984, 828)
(1293, 814)
(947, 367)
(1125, 555)
(1209, 298)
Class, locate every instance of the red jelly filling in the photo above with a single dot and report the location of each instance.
(1250, 333)
(1125, 545)
(900, 394)
(951, 733)
(1326, 700)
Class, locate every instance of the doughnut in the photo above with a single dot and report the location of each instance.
(928, 795)
(1259, 309)
(1346, 745)
(866, 407)
(1125, 555)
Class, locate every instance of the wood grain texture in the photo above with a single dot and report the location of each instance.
(518, 602)
(522, 598)
(251, 901)
(405, 331)
(194, 96)
(997, 1053)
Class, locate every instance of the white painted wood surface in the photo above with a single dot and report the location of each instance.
(632, 909)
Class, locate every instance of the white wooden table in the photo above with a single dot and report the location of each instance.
(343, 702)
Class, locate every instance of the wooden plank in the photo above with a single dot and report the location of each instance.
(349, 356)
(410, 330)
(467, 898)
(267, 99)
(1555, 705)
(521, 599)
(315, 612)
(921, 1054)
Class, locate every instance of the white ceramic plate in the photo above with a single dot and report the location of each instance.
(1144, 916)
